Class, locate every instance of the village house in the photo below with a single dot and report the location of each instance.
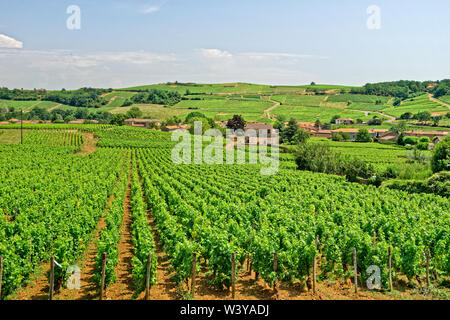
(82, 121)
(143, 123)
(321, 133)
(344, 121)
(429, 134)
(173, 128)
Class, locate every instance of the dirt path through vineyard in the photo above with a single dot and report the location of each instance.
(123, 288)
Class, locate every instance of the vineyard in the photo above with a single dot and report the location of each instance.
(226, 226)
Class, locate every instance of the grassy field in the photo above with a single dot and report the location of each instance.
(155, 111)
(299, 100)
(445, 99)
(415, 105)
(225, 109)
(116, 99)
(311, 114)
(10, 136)
(241, 88)
(379, 155)
(358, 98)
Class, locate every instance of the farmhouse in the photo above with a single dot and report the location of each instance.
(82, 121)
(321, 133)
(173, 128)
(344, 121)
(143, 123)
(429, 134)
(258, 126)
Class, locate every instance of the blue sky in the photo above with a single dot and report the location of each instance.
(125, 43)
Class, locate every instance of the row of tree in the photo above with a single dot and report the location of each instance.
(153, 96)
(56, 115)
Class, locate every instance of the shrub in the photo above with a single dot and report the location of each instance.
(422, 145)
(363, 135)
(441, 156)
(410, 140)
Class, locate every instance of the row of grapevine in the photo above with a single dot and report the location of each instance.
(110, 235)
(224, 209)
(142, 235)
(54, 138)
(50, 202)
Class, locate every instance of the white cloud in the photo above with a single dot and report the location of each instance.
(149, 9)
(215, 53)
(276, 55)
(55, 69)
(8, 42)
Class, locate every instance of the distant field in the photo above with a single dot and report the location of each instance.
(415, 105)
(311, 114)
(116, 99)
(359, 98)
(299, 100)
(18, 105)
(379, 155)
(445, 99)
(155, 111)
(242, 88)
(224, 109)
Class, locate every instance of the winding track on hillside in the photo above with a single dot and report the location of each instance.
(268, 110)
(438, 101)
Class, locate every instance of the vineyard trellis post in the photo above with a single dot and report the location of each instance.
(52, 277)
(1, 276)
(275, 268)
(355, 270)
(314, 275)
(390, 269)
(233, 275)
(194, 273)
(21, 126)
(428, 268)
(148, 277)
(102, 282)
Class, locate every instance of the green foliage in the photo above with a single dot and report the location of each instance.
(410, 140)
(363, 135)
(441, 156)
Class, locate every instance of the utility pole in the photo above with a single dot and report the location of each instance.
(21, 126)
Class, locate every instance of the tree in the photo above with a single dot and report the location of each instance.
(134, 112)
(400, 139)
(194, 114)
(118, 119)
(406, 116)
(441, 156)
(423, 116)
(333, 120)
(400, 127)
(300, 137)
(436, 120)
(317, 124)
(363, 135)
(289, 131)
(313, 83)
(236, 123)
(397, 102)
(375, 121)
